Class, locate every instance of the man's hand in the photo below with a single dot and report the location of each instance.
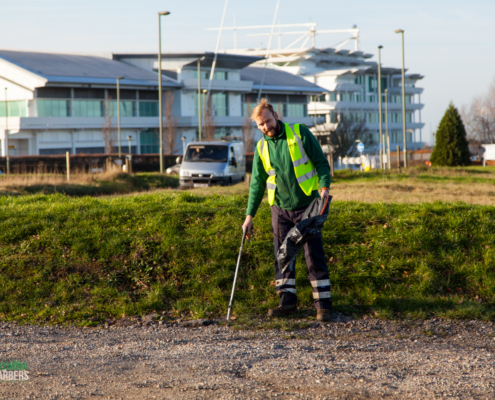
(324, 193)
(248, 225)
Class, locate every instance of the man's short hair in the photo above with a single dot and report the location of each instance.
(262, 105)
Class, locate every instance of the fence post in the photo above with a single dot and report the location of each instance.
(398, 158)
(67, 158)
(330, 161)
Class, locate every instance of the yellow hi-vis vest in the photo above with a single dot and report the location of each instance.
(305, 171)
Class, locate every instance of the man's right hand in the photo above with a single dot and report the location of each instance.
(248, 225)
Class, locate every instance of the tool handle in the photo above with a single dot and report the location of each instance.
(236, 272)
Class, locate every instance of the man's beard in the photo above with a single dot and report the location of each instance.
(272, 132)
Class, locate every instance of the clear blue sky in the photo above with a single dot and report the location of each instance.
(451, 42)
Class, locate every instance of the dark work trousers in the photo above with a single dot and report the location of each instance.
(282, 222)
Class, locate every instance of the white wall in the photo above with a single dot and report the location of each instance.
(14, 92)
(187, 103)
(235, 105)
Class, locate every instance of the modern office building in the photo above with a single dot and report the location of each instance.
(350, 81)
(55, 103)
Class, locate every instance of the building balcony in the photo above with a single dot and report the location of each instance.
(409, 90)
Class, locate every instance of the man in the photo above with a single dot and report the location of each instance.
(283, 153)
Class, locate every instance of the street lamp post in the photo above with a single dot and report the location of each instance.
(380, 105)
(118, 113)
(7, 160)
(184, 145)
(129, 138)
(386, 129)
(160, 85)
(401, 31)
(199, 98)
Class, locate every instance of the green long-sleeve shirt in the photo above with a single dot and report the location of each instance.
(288, 194)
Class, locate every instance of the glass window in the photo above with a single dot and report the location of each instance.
(53, 93)
(148, 109)
(332, 97)
(359, 80)
(206, 153)
(218, 75)
(53, 108)
(127, 108)
(220, 103)
(149, 141)
(89, 108)
(296, 110)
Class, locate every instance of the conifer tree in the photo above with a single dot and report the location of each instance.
(451, 147)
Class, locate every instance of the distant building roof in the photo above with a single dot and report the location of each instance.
(280, 81)
(70, 68)
(228, 61)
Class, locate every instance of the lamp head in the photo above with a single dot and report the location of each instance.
(129, 138)
(380, 47)
(120, 77)
(399, 31)
(163, 13)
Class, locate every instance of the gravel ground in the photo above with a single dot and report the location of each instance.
(343, 359)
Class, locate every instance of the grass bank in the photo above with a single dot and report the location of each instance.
(84, 184)
(83, 260)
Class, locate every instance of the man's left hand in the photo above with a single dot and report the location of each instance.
(324, 193)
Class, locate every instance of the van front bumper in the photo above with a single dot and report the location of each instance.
(190, 182)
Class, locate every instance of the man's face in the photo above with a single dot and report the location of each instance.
(267, 123)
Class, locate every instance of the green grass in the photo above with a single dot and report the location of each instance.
(82, 260)
(474, 174)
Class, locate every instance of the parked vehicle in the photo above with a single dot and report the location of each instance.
(212, 163)
(175, 170)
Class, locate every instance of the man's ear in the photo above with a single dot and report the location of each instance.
(275, 115)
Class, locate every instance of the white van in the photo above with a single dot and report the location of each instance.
(212, 163)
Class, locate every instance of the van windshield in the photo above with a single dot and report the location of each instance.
(206, 153)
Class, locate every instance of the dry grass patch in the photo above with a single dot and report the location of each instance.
(415, 191)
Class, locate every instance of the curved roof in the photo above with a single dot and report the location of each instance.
(70, 68)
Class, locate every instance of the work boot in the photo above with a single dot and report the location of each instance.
(280, 311)
(323, 314)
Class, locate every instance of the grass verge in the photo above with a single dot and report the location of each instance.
(82, 260)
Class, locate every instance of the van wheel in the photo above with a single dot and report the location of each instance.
(230, 182)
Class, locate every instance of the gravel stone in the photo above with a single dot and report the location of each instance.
(343, 359)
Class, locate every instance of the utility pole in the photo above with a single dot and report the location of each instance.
(386, 130)
(380, 106)
(160, 100)
(401, 31)
(7, 160)
(118, 114)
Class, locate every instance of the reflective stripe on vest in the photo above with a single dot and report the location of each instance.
(304, 169)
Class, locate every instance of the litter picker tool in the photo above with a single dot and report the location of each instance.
(236, 271)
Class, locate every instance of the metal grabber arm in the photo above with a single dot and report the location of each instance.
(236, 272)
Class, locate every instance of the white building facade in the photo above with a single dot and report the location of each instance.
(351, 88)
(55, 103)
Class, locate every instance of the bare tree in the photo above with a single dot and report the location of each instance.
(108, 133)
(479, 117)
(248, 131)
(209, 125)
(343, 137)
(170, 133)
